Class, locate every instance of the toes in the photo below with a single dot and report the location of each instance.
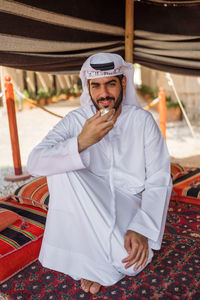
(85, 285)
(95, 287)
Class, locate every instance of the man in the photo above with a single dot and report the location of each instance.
(109, 180)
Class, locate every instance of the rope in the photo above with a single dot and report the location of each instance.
(147, 107)
(52, 113)
(171, 83)
(34, 102)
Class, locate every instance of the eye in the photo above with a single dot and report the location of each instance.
(112, 83)
(95, 86)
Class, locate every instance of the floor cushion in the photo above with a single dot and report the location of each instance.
(186, 188)
(20, 246)
(176, 170)
(186, 184)
(35, 193)
(8, 217)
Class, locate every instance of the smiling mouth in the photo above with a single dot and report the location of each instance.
(105, 102)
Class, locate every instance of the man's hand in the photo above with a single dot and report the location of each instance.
(95, 129)
(136, 246)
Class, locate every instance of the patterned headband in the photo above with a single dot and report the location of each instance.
(97, 73)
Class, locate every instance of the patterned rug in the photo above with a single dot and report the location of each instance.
(174, 272)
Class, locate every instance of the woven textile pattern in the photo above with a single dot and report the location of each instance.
(20, 245)
(34, 193)
(16, 237)
(174, 272)
(186, 185)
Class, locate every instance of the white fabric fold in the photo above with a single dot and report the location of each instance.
(122, 182)
(57, 153)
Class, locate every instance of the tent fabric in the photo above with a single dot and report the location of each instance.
(167, 38)
(42, 36)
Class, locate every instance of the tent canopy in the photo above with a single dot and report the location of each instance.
(41, 36)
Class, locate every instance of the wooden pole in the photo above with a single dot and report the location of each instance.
(162, 111)
(129, 30)
(10, 102)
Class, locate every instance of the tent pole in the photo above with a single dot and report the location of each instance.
(129, 30)
(13, 133)
(162, 111)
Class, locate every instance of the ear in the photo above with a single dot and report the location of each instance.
(124, 82)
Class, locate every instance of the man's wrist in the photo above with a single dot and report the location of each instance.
(81, 145)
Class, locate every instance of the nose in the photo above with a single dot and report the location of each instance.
(104, 91)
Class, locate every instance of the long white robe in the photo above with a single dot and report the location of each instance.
(122, 182)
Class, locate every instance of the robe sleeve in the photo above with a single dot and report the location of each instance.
(58, 151)
(151, 216)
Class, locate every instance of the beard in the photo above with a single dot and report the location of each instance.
(118, 101)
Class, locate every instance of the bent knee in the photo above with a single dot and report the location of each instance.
(130, 271)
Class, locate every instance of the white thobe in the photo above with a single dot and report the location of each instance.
(122, 182)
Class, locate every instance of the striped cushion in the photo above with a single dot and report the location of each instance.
(186, 186)
(176, 170)
(8, 217)
(20, 246)
(35, 193)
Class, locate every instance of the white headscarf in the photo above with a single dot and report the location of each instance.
(119, 67)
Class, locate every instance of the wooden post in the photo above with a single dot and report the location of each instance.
(10, 102)
(129, 30)
(162, 111)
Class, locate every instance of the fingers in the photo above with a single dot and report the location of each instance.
(96, 116)
(94, 130)
(98, 119)
(106, 130)
(143, 260)
(104, 119)
(129, 249)
(105, 126)
(127, 244)
(114, 119)
(137, 247)
(134, 257)
(108, 115)
(139, 258)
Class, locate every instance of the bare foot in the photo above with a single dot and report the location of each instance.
(95, 287)
(90, 286)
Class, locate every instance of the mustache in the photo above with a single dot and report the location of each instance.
(106, 98)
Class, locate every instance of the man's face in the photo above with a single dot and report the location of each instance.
(106, 92)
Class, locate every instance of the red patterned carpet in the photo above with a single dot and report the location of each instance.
(174, 272)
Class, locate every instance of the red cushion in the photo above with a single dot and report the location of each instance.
(35, 193)
(186, 184)
(176, 170)
(20, 247)
(186, 188)
(7, 217)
